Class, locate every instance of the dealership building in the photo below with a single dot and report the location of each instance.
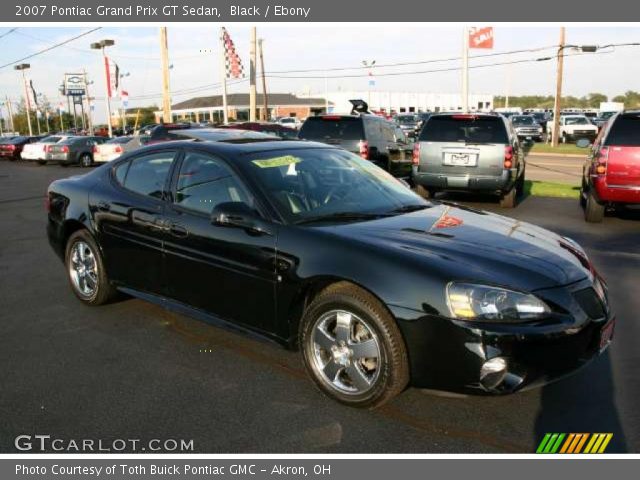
(209, 109)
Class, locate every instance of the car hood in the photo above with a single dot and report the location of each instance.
(473, 245)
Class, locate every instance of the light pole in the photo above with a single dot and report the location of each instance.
(555, 132)
(371, 80)
(22, 67)
(101, 45)
(123, 117)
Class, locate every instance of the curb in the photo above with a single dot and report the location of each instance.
(557, 155)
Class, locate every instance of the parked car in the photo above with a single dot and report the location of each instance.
(377, 287)
(163, 132)
(574, 127)
(11, 147)
(477, 152)
(73, 151)
(218, 135)
(370, 136)
(527, 128)
(112, 149)
(408, 122)
(601, 119)
(270, 128)
(422, 118)
(291, 122)
(611, 174)
(36, 152)
(542, 118)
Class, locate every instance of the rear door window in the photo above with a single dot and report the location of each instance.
(464, 129)
(625, 131)
(147, 174)
(329, 126)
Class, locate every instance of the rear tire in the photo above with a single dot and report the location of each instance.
(85, 270)
(352, 347)
(508, 200)
(42, 162)
(86, 160)
(593, 211)
(520, 184)
(423, 191)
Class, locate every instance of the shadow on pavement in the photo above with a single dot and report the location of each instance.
(582, 403)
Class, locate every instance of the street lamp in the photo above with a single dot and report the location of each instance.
(22, 67)
(101, 45)
(371, 80)
(558, 98)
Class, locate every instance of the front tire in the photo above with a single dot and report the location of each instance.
(352, 347)
(423, 191)
(85, 270)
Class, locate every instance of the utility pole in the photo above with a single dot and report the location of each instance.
(465, 69)
(252, 75)
(86, 86)
(265, 100)
(166, 96)
(10, 109)
(22, 67)
(558, 99)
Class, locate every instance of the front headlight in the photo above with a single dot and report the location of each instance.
(493, 304)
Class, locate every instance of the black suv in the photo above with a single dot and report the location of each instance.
(370, 136)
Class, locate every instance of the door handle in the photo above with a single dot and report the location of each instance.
(177, 230)
(104, 206)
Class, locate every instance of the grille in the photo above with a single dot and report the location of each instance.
(590, 303)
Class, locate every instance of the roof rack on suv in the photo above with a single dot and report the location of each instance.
(359, 107)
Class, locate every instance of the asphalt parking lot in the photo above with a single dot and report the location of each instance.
(132, 370)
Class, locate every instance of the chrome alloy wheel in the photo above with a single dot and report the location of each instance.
(345, 352)
(83, 269)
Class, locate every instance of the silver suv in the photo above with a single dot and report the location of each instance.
(477, 152)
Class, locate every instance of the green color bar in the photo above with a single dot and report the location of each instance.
(543, 443)
(558, 443)
(550, 444)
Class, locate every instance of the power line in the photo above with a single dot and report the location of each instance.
(7, 33)
(60, 44)
(438, 70)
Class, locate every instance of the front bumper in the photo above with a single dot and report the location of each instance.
(465, 182)
(449, 355)
(578, 135)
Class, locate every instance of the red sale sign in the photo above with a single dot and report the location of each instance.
(481, 37)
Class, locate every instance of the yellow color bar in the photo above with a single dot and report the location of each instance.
(606, 441)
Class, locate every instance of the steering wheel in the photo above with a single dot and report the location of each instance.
(333, 193)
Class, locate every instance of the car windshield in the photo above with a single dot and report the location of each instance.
(51, 139)
(540, 116)
(317, 184)
(329, 126)
(625, 131)
(465, 129)
(523, 120)
(406, 119)
(577, 121)
(225, 134)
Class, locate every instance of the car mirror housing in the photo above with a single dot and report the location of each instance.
(238, 215)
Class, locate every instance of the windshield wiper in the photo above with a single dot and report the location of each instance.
(409, 208)
(341, 216)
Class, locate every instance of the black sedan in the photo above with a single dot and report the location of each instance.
(318, 249)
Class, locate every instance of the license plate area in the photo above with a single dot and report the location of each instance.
(606, 334)
(460, 159)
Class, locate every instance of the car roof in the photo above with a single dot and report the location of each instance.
(232, 148)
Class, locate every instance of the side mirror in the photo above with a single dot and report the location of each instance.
(238, 215)
(583, 143)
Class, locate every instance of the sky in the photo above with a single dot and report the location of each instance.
(194, 54)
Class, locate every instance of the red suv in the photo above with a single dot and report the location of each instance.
(611, 174)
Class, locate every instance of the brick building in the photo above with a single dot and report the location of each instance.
(209, 109)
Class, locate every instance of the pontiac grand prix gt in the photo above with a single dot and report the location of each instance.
(320, 250)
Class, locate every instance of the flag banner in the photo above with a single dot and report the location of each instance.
(232, 61)
(124, 97)
(113, 77)
(481, 37)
